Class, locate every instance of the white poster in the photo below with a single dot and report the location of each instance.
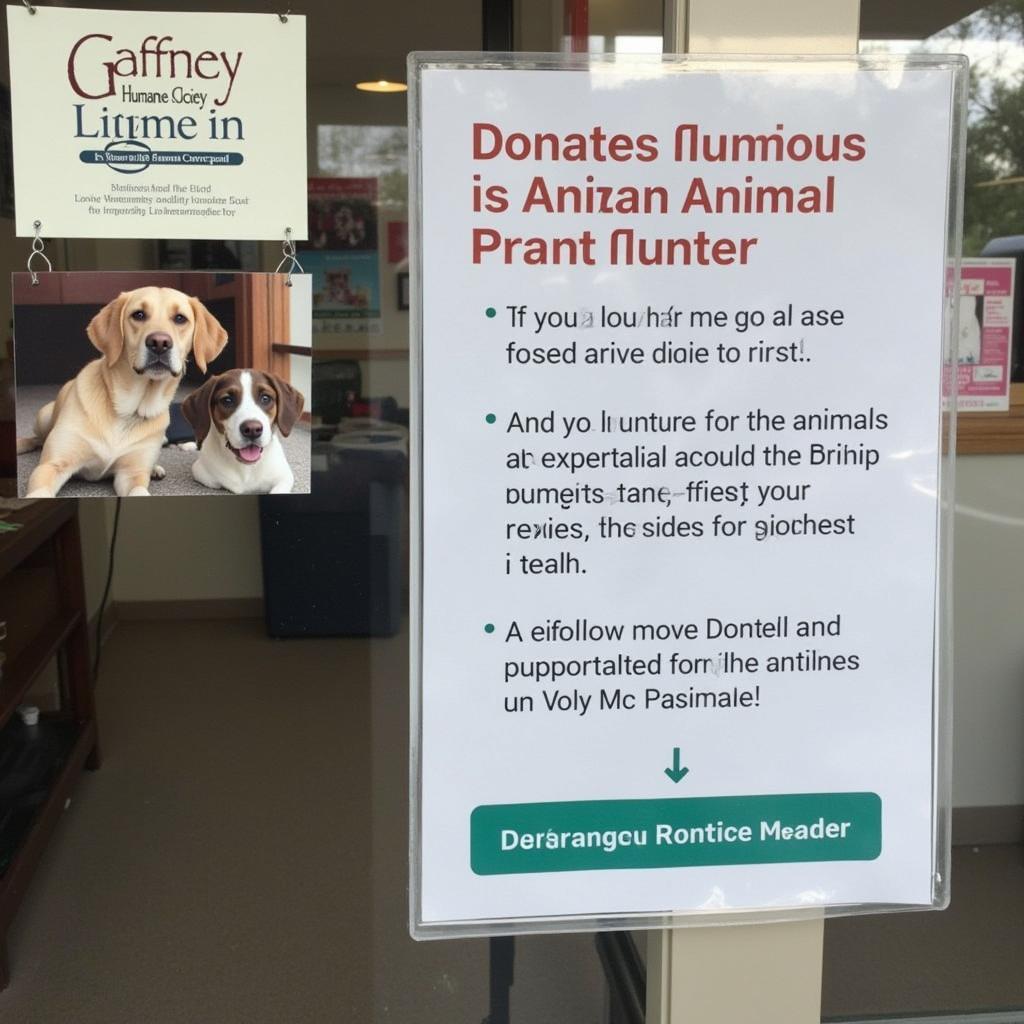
(158, 124)
(681, 369)
(985, 334)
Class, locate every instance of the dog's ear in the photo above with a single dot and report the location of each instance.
(196, 409)
(289, 403)
(208, 338)
(106, 329)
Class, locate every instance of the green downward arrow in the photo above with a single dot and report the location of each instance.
(676, 772)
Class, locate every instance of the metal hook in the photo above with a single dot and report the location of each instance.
(283, 18)
(289, 257)
(31, 10)
(37, 250)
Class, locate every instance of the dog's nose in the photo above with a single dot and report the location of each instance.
(251, 429)
(158, 342)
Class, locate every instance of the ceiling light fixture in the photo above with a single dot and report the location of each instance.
(382, 85)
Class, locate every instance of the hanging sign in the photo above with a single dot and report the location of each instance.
(677, 621)
(158, 124)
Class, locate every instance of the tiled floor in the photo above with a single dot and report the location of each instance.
(210, 871)
(967, 958)
(241, 857)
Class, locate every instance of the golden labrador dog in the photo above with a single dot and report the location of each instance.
(111, 418)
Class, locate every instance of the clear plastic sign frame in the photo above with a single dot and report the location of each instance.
(682, 488)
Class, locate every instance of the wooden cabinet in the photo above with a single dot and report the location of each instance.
(42, 600)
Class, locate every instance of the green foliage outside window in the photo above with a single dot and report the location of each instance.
(994, 172)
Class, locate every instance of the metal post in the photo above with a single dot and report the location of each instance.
(503, 958)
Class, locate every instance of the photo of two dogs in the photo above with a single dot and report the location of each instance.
(122, 419)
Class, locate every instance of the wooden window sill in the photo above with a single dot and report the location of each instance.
(993, 433)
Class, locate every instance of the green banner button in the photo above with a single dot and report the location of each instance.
(601, 835)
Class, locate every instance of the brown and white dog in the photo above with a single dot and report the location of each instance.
(237, 417)
(111, 418)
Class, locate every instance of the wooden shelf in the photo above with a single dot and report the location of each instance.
(993, 433)
(41, 565)
(39, 521)
(22, 672)
(29, 596)
(15, 879)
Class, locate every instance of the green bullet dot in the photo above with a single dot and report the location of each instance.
(491, 418)
(492, 312)
(489, 628)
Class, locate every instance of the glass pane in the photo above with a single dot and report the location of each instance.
(993, 39)
(242, 854)
(952, 964)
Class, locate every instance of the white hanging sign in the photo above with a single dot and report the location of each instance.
(678, 617)
(158, 124)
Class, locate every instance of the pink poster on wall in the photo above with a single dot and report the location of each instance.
(986, 331)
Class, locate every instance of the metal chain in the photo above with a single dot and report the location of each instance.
(289, 257)
(37, 250)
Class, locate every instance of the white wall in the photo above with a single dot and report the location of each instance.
(94, 519)
(988, 728)
(188, 549)
(172, 549)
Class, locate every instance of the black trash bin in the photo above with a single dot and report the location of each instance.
(332, 559)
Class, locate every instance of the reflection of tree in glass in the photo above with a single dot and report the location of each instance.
(367, 151)
(993, 39)
(994, 178)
